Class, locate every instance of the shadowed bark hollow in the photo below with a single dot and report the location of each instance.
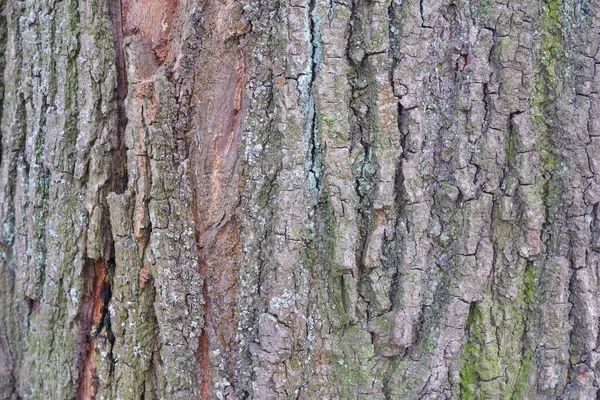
(303, 199)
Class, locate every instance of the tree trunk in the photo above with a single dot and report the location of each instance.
(371, 199)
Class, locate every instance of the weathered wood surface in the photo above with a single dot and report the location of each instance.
(372, 199)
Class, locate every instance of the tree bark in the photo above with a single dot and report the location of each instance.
(262, 199)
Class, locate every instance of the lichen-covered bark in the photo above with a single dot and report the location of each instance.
(386, 199)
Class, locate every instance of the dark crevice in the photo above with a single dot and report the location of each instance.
(486, 106)
(42, 196)
(399, 205)
(33, 305)
(96, 324)
(365, 174)
(314, 167)
(3, 36)
(363, 124)
(94, 277)
(105, 322)
(119, 179)
(511, 139)
(312, 109)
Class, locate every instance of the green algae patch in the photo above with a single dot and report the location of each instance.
(480, 360)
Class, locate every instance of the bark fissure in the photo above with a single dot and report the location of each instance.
(120, 178)
(312, 113)
(91, 321)
(3, 37)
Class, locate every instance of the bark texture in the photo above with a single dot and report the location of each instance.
(263, 199)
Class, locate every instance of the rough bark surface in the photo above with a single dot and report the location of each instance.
(262, 199)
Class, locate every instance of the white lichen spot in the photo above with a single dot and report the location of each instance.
(74, 295)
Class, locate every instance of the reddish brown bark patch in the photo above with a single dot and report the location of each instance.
(90, 314)
(144, 275)
(218, 137)
(153, 20)
(218, 97)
